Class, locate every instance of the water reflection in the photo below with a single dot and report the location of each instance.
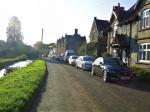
(15, 66)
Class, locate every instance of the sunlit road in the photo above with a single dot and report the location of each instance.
(68, 89)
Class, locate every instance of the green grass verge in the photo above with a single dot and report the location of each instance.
(18, 88)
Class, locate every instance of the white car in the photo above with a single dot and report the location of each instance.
(72, 59)
(85, 62)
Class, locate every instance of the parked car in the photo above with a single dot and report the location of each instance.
(68, 53)
(110, 67)
(72, 60)
(84, 62)
(61, 57)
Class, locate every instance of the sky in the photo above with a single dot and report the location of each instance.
(56, 17)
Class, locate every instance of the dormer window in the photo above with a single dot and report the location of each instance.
(145, 19)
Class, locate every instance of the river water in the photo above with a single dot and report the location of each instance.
(17, 65)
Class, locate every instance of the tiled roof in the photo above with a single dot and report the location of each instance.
(101, 24)
(130, 15)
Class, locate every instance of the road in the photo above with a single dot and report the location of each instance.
(68, 89)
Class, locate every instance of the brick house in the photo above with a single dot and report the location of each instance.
(72, 42)
(98, 36)
(129, 35)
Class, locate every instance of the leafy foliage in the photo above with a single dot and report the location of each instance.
(142, 74)
(17, 88)
(91, 49)
(14, 34)
(43, 49)
(82, 50)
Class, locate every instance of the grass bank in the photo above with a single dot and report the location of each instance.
(18, 88)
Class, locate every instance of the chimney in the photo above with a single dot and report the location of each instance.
(95, 18)
(118, 8)
(76, 32)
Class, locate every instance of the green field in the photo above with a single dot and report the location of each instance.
(18, 88)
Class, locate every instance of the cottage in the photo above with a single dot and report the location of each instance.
(129, 37)
(98, 36)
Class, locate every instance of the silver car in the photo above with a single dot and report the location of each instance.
(85, 62)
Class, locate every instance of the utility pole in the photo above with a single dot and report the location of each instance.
(42, 50)
(42, 35)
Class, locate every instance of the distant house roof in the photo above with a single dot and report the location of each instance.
(130, 15)
(101, 24)
(117, 13)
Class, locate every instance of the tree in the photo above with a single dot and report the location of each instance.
(14, 35)
(43, 49)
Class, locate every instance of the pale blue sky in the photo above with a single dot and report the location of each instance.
(57, 17)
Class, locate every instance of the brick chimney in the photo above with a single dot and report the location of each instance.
(118, 8)
(76, 32)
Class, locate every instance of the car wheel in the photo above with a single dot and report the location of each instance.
(92, 72)
(105, 76)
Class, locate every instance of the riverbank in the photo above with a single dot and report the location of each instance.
(19, 87)
(6, 62)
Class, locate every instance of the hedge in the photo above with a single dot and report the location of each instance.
(142, 74)
(18, 88)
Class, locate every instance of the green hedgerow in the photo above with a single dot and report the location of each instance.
(17, 88)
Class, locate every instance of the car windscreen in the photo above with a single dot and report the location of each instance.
(69, 54)
(74, 57)
(88, 59)
(113, 61)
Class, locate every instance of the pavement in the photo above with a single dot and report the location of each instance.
(68, 89)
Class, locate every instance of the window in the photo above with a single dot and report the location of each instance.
(145, 19)
(144, 52)
(114, 29)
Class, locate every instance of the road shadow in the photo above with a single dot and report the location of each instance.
(134, 84)
(54, 61)
(38, 96)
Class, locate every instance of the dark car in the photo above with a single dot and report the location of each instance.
(110, 67)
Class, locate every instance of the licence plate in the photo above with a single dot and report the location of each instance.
(125, 78)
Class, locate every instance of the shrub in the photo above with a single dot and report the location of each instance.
(91, 49)
(17, 88)
(142, 74)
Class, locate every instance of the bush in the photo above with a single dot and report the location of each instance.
(91, 49)
(105, 54)
(142, 74)
(18, 88)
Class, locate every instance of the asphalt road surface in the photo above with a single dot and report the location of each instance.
(68, 89)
